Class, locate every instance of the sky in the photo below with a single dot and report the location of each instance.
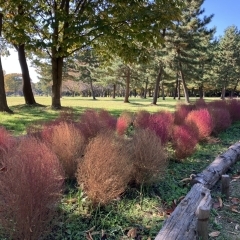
(226, 13)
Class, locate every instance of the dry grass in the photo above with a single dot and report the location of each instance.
(30, 188)
(148, 156)
(105, 170)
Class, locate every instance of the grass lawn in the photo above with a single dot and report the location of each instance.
(142, 210)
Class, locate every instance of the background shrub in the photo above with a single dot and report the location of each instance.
(30, 189)
(184, 141)
(6, 141)
(181, 113)
(141, 119)
(234, 109)
(124, 121)
(105, 170)
(68, 143)
(221, 119)
(148, 156)
(161, 123)
(91, 123)
(202, 119)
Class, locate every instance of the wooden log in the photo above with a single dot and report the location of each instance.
(182, 223)
(225, 185)
(203, 214)
(209, 176)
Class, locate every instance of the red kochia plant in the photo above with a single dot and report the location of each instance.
(234, 109)
(148, 156)
(123, 122)
(30, 189)
(202, 119)
(141, 119)
(68, 142)
(200, 103)
(181, 113)
(91, 122)
(6, 140)
(221, 119)
(184, 141)
(105, 170)
(161, 123)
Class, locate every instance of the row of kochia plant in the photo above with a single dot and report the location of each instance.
(103, 153)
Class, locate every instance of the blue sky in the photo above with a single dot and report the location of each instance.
(226, 13)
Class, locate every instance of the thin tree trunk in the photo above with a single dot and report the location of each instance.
(223, 92)
(145, 89)
(27, 88)
(201, 92)
(3, 99)
(176, 88)
(114, 91)
(92, 90)
(179, 89)
(163, 93)
(57, 64)
(157, 83)
(126, 99)
(184, 84)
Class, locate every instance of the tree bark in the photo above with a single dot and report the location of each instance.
(157, 83)
(163, 93)
(126, 99)
(3, 99)
(92, 90)
(223, 92)
(27, 88)
(114, 91)
(201, 92)
(57, 64)
(145, 89)
(184, 84)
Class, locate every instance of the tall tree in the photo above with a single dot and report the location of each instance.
(3, 99)
(17, 31)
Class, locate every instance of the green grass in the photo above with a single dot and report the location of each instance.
(143, 209)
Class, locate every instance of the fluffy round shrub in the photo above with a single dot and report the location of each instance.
(200, 103)
(181, 113)
(104, 172)
(221, 119)
(30, 189)
(234, 109)
(92, 122)
(6, 141)
(123, 122)
(202, 119)
(68, 143)
(184, 141)
(161, 123)
(141, 119)
(148, 156)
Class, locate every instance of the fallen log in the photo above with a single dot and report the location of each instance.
(181, 225)
(210, 175)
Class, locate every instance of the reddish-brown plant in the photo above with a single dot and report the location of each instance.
(6, 141)
(234, 109)
(68, 143)
(184, 141)
(221, 119)
(148, 156)
(141, 119)
(161, 123)
(123, 122)
(203, 120)
(91, 123)
(200, 103)
(30, 189)
(181, 113)
(105, 170)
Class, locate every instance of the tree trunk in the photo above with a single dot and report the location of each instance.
(184, 84)
(201, 92)
(114, 91)
(157, 83)
(145, 89)
(175, 93)
(92, 90)
(163, 93)
(179, 89)
(27, 88)
(3, 99)
(57, 64)
(223, 92)
(126, 99)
